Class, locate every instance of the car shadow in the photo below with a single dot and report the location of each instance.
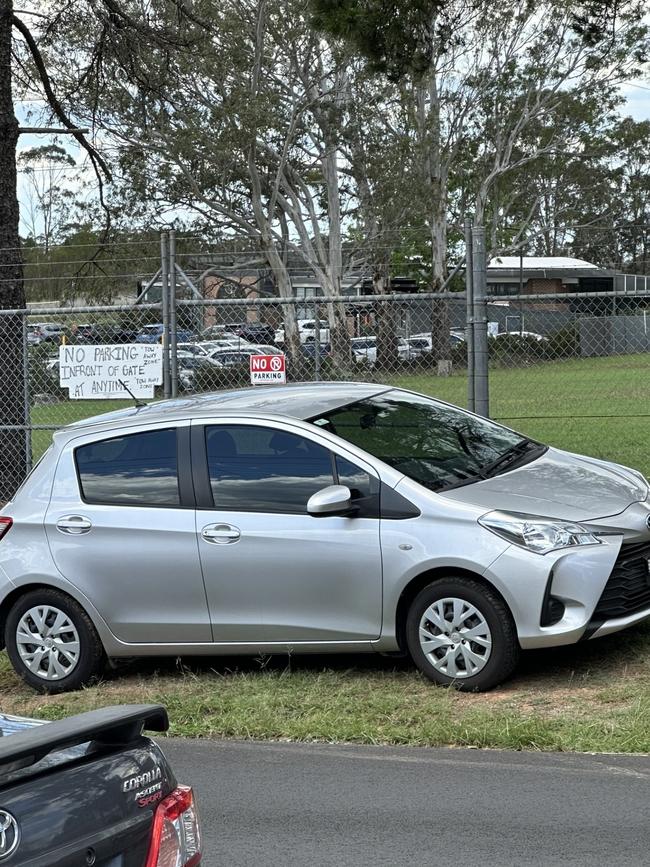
(588, 661)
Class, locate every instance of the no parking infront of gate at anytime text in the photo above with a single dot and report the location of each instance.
(268, 369)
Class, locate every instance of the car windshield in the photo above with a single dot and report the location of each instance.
(437, 445)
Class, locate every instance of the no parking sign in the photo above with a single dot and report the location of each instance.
(268, 369)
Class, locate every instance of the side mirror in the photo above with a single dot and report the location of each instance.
(333, 500)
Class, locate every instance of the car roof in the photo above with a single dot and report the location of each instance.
(298, 400)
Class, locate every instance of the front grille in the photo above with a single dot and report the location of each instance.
(628, 587)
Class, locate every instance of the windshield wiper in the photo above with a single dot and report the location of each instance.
(509, 457)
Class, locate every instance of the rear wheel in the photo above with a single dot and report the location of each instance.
(460, 632)
(52, 643)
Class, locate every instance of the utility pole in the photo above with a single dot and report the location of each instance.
(479, 280)
(173, 322)
(469, 314)
(164, 276)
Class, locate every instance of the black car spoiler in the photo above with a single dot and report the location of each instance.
(120, 724)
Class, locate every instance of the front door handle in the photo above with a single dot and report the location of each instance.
(74, 525)
(220, 534)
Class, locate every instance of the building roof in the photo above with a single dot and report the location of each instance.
(533, 263)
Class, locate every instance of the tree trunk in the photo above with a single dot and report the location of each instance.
(384, 311)
(285, 290)
(440, 340)
(13, 459)
(339, 337)
(436, 178)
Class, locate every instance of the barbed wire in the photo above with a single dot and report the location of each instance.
(397, 232)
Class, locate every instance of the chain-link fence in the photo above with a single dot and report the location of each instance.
(391, 340)
(569, 356)
(553, 358)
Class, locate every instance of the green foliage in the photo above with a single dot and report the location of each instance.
(44, 381)
(395, 37)
(563, 344)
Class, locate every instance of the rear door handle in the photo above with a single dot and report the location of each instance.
(74, 525)
(220, 534)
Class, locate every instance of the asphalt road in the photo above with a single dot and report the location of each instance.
(267, 804)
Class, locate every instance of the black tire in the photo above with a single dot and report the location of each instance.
(504, 653)
(91, 658)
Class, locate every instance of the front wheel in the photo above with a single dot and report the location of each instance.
(460, 632)
(52, 643)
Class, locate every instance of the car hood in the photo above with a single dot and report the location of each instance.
(558, 485)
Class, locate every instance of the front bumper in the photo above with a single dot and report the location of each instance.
(578, 578)
(618, 623)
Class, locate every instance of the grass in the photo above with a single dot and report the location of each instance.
(589, 697)
(592, 697)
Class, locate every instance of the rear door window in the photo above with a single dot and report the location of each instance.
(134, 470)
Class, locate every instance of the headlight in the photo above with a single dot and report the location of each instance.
(540, 535)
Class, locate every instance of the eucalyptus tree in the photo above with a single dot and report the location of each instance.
(247, 134)
(27, 39)
(48, 197)
(479, 78)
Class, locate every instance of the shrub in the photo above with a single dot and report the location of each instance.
(564, 343)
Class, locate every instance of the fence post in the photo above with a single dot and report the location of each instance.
(28, 425)
(164, 277)
(316, 341)
(479, 280)
(173, 319)
(469, 315)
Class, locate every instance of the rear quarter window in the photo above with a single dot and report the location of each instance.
(134, 470)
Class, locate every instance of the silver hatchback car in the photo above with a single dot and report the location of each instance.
(318, 517)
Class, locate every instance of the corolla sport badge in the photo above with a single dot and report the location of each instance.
(9, 834)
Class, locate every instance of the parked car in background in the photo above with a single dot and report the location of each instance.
(80, 331)
(265, 349)
(522, 335)
(309, 349)
(232, 327)
(257, 332)
(92, 790)
(45, 332)
(324, 517)
(194, 371)
(106, 333)
(421, 344)
(307, 331)
(195, 348)
(154, 333)
(232, 357)
(214, 332)
(228, 342)
(364, 350)
(250, 332)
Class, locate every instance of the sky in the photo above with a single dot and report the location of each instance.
(638, 100)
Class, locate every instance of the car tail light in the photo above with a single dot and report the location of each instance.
(176, 836)
(5, 526)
